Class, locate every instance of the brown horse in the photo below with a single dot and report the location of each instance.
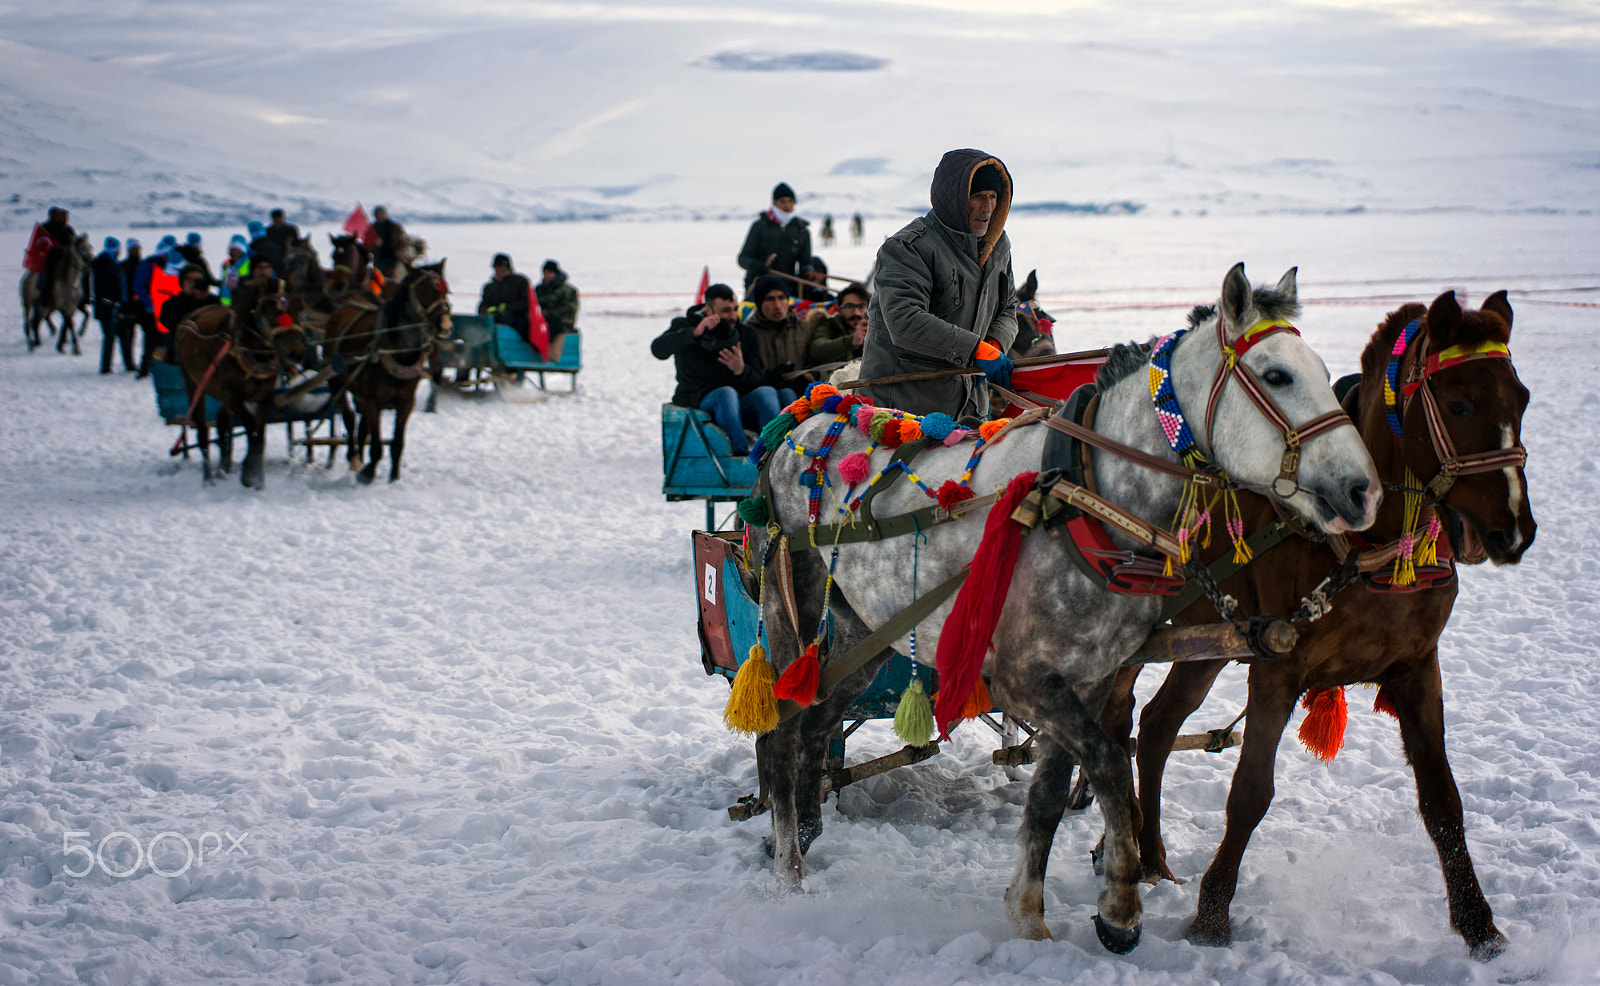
(238, 357)
(1035, 327)
(66, 297)
(1388, 633)
(309, 283)
(380, 351)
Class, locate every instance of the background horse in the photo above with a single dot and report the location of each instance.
(1387, 637)
(380, 352)
(1060, 636)
(66, 296)
(238, 358)
(309, 283)
(1035, 327)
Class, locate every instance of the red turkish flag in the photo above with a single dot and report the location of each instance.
(538, 328)
(357, 225)
(705, 282)
(39, 247)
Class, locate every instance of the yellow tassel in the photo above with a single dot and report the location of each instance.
(751, 707)
(1241, 552)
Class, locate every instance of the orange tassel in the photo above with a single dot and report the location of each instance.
(1385, 704)
(978, 701)
(800, 679)
(1323, 729)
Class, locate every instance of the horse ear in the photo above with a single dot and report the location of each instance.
(1498, 304)
(1444, 321)
(1030, 287)
(1235, 301)
(441, 264)
(1286, 285)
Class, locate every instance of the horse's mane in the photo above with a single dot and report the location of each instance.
(1125, 359)
(1476, 327)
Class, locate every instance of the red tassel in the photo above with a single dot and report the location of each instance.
(952, 493)
(799, 680)
(1383, 703)
(1323, 729)
(965, 638)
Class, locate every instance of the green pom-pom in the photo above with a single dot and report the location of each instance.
(773, 434)
(753, 511)
(913, 718)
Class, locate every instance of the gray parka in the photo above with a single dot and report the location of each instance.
(939, 290)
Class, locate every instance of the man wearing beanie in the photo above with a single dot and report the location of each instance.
(108, 291)
(778, 241)
(506, 296)
(558, 301)
(946, 297)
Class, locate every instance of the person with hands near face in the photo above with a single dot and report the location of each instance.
(718, 366)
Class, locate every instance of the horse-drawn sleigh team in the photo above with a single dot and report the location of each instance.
(1212, 478)
(1209, 497)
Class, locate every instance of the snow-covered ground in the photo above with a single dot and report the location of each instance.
(456, 730)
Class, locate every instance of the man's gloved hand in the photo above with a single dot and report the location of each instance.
(995, 364)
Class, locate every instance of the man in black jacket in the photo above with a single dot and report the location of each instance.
(718, 368)
(282, 232)
(386, 253)
(778, 240)
(506, 297)
(110, 292)
(194, 295)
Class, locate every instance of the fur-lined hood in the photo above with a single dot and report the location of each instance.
(952, 186)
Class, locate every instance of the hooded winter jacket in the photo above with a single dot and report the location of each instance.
(940, 291)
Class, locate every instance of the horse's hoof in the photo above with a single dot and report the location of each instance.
(1209, 934)
(1486, 951)
(1118, 940)
(365, 477)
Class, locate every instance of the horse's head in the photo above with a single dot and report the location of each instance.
(1458, 404)
(431, 297)
(276, 319)
(302, 268)
(1271, 420)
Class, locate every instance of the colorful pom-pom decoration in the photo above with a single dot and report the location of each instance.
(910, 430)
(891, 433)
(952, 493)
(1323, 729)
(753, 511)
(913, 717)
(938, 425)
(863, 419)
(988, 429)
(800, 679)
(772, 434)
(855, 467)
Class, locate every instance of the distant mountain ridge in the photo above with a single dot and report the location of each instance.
(570, 119)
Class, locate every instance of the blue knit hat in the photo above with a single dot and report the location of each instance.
(134, 243)
(112, 244)
(256, 229)
(167, 242)
(238, 240)
(193, 239)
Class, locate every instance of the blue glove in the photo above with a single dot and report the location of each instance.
(995, 364)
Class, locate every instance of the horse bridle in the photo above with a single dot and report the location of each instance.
(1286, 484)
(1452, 465)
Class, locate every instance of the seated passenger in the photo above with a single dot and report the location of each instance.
(817, 292)
(558, 300)
(838, 338)
(506, 296)
(718, 366)
(780, 336)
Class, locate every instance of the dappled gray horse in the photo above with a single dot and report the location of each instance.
(66, 295)
(1060, 637)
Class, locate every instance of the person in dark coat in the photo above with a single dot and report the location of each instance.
(134, 313)
(780, 335)
(194, 256)
(945, 294)
(282, 232)
(386, 253)
(558, 300)
(778, 240)
(838, 338)
(506, 296)
(718, 367)
(109, 291)
(262, 245)
(194, 295)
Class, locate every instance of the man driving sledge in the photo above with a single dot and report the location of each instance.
(946, 297)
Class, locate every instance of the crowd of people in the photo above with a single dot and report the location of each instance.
(944, 297)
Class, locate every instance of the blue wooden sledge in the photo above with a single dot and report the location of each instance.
(698, 462)
(513, 353)
(172, 403)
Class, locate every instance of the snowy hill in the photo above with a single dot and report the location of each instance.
(177, 116)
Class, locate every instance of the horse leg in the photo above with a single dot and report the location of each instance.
(1186, 686)
(1270, 705)
(435, 377)
(402, 413)
(1419, 701)
(352, 434)
(202, 437)
(1067, 722)
(1116, 718)
(224, 436)
(371, 432)
(251, 472)
(1047, 801)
